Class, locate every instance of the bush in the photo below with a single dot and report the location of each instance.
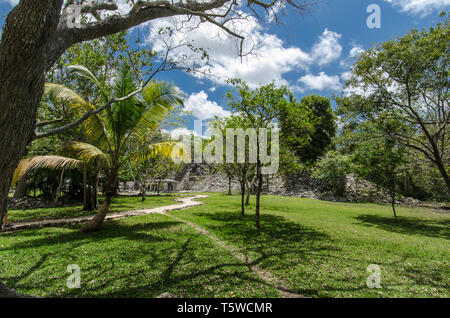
(331, 170)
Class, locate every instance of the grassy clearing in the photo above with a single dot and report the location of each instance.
(322, 249)
(119, 204)
(318, 248)
(134, 257)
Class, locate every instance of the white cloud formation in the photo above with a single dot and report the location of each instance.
(420, 7)
(269, 60)
(327, 49)
(354, 53)
(202, 108)
(319, 82)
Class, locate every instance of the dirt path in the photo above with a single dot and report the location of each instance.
(262, 274)
(184, 203)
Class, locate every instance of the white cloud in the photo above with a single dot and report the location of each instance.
(420, 7)
(319, 82)
(354, 53)
(202, 108)
(327, 49)
(269, 60)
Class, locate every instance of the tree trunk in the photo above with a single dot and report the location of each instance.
(249, 190)
(24, 60)
(229, 185)
(95, 204)
(258, 192)
(96, 222)
(109, 190)
(393, 208)
(85, 198)
(143, 192)
(393, 204)
(158, 187)
(247, 199)
(443, 172)
(243, 198)
(21, 188)
(58, 189)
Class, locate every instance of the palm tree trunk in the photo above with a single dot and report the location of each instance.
(85, 202)
(21, 188)
(96, 222)
(109, 191)
(95, 204)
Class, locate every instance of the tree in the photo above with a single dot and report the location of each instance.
(155, 166)
(37, 33)
(332, 170)
(380, 160)
(406, 80)
(125, 121)
(261, 107)
(308, 127)
(238, 169)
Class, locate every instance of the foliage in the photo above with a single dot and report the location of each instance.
(332, 170)
(308, 127)
(406, 81)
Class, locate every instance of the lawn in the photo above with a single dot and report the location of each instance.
(322, 249)
(317, 248)
(119, 204)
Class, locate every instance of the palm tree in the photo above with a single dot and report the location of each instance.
(50, 162)
(135, 118)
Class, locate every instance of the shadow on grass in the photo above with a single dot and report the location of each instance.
(408, 225)
(203, 281)
(278, 245)
(110, 230)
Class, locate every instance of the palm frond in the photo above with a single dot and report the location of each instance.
(61, 93)
(86, 152)
(21, 169)
(160, 98)
(83, 71)
(50, 162)
(94, 126)
(167, 149)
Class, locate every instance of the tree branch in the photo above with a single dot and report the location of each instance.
(48, 122)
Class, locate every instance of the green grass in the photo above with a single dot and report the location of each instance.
(322, 249)
(119, 204)
(318, 248)
(134, 257)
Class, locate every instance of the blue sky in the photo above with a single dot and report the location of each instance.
(310, 53)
